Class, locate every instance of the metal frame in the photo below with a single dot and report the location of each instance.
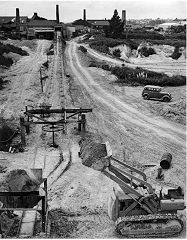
(66, 113)
(33, 194)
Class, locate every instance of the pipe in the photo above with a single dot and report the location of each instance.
(166, 160)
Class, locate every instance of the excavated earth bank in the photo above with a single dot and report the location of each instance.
(93, 154)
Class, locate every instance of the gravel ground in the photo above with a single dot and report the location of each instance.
(78, 198)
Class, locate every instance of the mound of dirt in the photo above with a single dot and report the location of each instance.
(14, 56)
(19, 180)
(175, 111)
(93, 154)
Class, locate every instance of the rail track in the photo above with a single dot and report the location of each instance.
(57, 74)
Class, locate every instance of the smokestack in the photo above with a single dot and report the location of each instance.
(17, 21)
(123, 18)
(57, 14)
(84, 15)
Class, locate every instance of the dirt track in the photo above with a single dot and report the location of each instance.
(130, 116)
(119, 116)
(167, 65)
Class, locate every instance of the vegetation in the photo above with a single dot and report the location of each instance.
(171, 42)
(10, 48)
(115, 28)
(145, 51)
(102, 44)
(141, 76)
(2, 83)
(6, 61)
(83, 49)
(117, 53)
(143, 35)
(176, 54)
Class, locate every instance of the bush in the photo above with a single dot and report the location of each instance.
(176, 54)
(147, 51)
(1, 83)
(145, 36)
(179, 36)
(102, 48)
(171, 42)
(105, 67)
(5, 61)
(82, 49)
(93, 64)
(10, 48)
(145, 77)
(117, 53)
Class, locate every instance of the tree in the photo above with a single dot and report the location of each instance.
(116, 26)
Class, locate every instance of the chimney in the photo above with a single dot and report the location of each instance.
(84, 15)
(123, 18)
(57, 13)
(17, 21)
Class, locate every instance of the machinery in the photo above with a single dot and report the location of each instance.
(135, 207)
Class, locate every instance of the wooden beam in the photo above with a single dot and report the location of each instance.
(13, 194)
(54, 123)
(32, 115)
(22, 129)
(73, 110)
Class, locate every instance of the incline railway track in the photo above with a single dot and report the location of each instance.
(55, 85)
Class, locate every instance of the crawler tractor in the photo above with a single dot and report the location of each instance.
(135, 207)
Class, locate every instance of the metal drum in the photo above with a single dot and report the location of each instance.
(166, 159)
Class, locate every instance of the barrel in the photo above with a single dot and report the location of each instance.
(166, 159)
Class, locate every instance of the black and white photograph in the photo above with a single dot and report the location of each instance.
(93, 119)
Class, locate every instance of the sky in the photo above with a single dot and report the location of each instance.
(70, 10)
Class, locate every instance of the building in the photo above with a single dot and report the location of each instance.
(8, 23)
(167, 25)
(36, 27)
(99, 24)
(42, 28)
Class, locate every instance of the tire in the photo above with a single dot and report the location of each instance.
(166, 99)
(146, 96)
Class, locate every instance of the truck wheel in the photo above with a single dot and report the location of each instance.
(166, 99)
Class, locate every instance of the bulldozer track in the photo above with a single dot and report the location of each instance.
(148, 233)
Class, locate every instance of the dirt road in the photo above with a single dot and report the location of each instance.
(126, 111)
(167, 65)
(119, 116)
(135, 134)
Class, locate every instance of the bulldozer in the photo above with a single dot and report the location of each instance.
(136, 208)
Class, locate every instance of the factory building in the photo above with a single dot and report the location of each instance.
(35, 27)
